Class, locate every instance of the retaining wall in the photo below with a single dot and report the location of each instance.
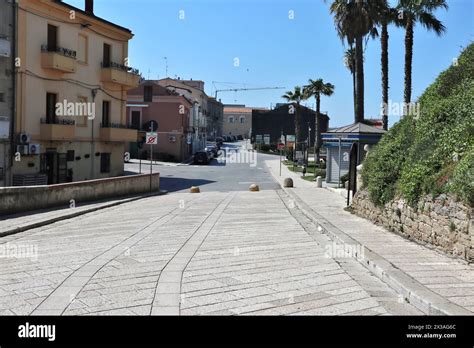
(21, 199)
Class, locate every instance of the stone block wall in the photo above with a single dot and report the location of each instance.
(441, 222)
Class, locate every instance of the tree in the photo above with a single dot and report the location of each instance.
(387, 15)
(354, 20)
(296, 96)
(411, 12)
(349, 62)
(316, 88)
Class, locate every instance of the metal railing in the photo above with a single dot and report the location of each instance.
(116, 125)
(60, 121)
(121, 67)
(61, 50)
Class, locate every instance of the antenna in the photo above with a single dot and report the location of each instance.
(166, 64)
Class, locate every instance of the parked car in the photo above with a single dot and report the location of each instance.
(219, 141)
(239, 137)
(233, 138)
(212, 149)
(202, 157)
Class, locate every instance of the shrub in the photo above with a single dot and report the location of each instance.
(430, 153)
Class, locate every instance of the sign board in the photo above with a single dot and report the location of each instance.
(5, 48)
(151, 138)
(291, 138)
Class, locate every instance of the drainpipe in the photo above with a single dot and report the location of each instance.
(94, 93)
(14, 84)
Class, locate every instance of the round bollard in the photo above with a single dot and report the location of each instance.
(288, 182)
(194, 189)
(254, 188)
(319, 182)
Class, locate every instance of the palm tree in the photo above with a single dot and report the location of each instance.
(387, 15)
(410, 13)
(296, 96)
(349, 62)
(317, 88)
(354, 19)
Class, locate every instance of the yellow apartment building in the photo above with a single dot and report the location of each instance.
(72, 79)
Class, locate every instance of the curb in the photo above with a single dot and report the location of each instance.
(75, 214)
(416, 293)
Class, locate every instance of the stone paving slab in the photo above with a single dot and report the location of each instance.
(190, 255)
(16, 223)
(412, 263)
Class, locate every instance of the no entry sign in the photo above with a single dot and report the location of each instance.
(151, 138)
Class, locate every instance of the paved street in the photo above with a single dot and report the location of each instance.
(216, 176)
(225, 251)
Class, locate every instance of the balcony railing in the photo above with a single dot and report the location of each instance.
(116, 125)
(63, 51)
(121, 67)
(59, 121)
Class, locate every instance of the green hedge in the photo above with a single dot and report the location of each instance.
(434, 152)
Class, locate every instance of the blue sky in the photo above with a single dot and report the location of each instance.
(275, 50)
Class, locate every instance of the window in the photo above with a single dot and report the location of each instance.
(107, 55)
(2, 97)
(70, 155)
(83, 49)
(135, 122)
(105, 162)
(231, 119)
(51, 107)
(242, 119)
(52, 38)
(148, 94)
(105, 113)
(81, 118)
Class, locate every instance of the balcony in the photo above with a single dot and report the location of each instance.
(113, 132)
(58, 58)
(57, 130)
(120, 75)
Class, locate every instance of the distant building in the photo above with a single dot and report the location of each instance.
(238, 120)
(269, 125)
(194, 91)
(171, 112)
(7, 77)
(72, 81)
(215, 118)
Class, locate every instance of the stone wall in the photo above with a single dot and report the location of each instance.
(441, 222)
(22, 199)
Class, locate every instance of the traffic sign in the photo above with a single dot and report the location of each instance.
(151, 138)
(281, 146)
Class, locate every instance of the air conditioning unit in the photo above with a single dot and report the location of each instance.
(34, 149)
(24, 138)
(22, 149)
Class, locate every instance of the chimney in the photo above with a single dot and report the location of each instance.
(90, 7)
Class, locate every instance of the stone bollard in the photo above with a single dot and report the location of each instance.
(319, 182)
(288, 182)
(194, 189)
(254, 188)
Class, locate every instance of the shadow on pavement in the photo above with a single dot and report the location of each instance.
(179, 184)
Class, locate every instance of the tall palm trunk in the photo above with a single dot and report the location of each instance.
(297, 128)
(317, 129)
(359, 117)
(408, 61)
(384, 41)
